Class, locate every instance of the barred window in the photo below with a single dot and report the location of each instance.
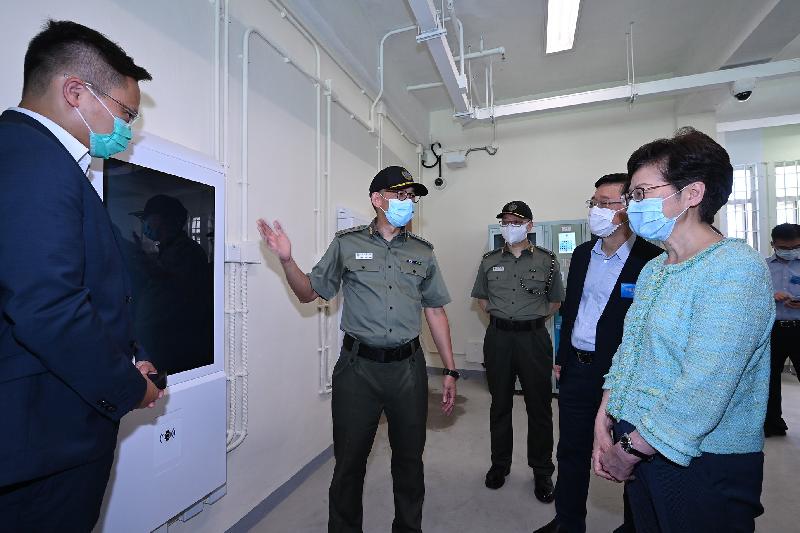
(742, 210)
(787, 199)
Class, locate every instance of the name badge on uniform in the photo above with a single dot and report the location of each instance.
(794, 280)
(627, 290)
(363, 255)
(498, 269)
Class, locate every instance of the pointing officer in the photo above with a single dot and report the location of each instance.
(519, 285)
(388, 275)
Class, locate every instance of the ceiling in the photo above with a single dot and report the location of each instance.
(671, 37)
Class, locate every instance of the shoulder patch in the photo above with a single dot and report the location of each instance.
(545, 250)
(487, 254)
(351, 230)
(420, 239)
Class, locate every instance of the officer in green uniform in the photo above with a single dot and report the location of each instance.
(388, 276)
(519, 285)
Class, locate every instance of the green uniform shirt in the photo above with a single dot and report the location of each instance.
(385, 284)
(503, 279)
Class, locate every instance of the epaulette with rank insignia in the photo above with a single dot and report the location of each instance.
(351, 230)
(420, 239)
(545, 250)
(487, 254)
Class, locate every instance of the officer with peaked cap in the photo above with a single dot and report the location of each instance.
(519, 285)
(388, 276)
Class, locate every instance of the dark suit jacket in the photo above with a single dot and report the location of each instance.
(66, 337)
(609, 327)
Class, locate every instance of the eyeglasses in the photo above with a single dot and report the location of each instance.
(638, 194)
(513, 224)
(133, 116)
(403, 195)
(591, 202)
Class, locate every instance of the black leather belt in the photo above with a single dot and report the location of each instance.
(583, 356)
(517, 325)
(381, 355)
(787, 323)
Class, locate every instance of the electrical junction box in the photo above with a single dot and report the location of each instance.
(456, 159)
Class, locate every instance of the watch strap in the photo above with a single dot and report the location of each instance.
(452, 373)
(627, 446)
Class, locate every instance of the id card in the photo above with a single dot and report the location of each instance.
(627, 290)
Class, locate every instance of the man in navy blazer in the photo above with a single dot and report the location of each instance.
(66, 340)
(600, 286)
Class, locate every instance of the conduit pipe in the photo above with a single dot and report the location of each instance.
(380, 72)
(499, 51)
(319, 214)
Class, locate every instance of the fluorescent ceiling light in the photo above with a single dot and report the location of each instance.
(562, 19)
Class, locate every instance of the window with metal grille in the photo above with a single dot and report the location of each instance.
(196, 229)
(787, 197)
(742, 209)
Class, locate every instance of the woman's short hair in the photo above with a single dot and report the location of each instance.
(687, 157)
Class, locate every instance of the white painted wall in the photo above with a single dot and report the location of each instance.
(289, 421)
(550, 161)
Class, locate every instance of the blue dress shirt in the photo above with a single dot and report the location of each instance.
(786, 278)
(601, 277)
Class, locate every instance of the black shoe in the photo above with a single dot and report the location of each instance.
(496, 476)
(543, 488)
(552, 527)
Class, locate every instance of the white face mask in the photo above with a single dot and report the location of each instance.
(600, 221)
(514, 234)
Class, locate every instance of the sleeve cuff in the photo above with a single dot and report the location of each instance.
(436, 303)
(325, 295)
(646, 430)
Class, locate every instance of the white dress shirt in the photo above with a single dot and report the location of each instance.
(76, 148)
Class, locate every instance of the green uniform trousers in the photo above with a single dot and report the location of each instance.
(362, 390)
(529, 356)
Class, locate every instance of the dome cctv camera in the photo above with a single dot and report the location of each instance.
(439, 183)
(743, 89)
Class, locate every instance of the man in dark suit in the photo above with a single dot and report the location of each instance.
(66, 336)
(600, 286)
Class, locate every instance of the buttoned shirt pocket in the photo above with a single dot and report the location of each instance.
(535, 280)
(411, 277)
(497, 276)
(362, 266)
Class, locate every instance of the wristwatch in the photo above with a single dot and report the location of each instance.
(627, 446)
(451, 373)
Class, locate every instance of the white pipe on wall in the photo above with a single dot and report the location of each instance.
(380, 71)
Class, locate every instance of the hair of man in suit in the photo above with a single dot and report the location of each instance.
(66, 47)
(688, 157)
(785, 232)
(618, 177)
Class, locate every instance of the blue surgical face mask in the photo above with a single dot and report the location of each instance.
(647, 218)
(149, 232)
(400, 212)
(107, 144)
(788, 255)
